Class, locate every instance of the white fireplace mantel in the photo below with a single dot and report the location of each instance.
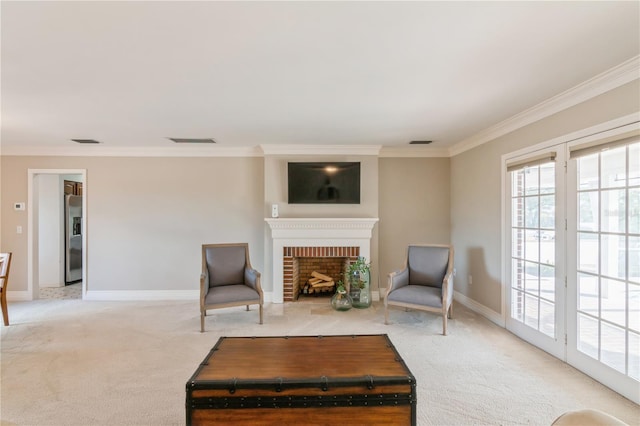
(316, 232)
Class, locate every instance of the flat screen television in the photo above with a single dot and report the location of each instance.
(324, 183)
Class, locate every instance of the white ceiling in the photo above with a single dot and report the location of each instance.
(131, 74)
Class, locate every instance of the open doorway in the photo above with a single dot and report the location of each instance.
(57, 233)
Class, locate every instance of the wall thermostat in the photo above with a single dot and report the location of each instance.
(274, 210)
(18, 206)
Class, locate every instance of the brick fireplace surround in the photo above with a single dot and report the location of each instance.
(314, 237)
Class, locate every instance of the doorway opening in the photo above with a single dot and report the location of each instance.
(56, 242)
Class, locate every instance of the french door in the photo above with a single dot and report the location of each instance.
(535, 296)
(572, 255)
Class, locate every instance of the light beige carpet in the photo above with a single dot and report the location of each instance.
(73, 362)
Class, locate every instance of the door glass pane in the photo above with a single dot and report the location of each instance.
(547, 178)
(548, 282)
(634, 307)
(588, 211)
(614, 211)
(531, 278)
(548, 247)
(634, 210)
(531, 214)
(547, 318)
(532, 247)
(613, 257)
(517, 274)
(634, 355)
(517, 212)
(613, 168)
(588, 173)
(531, 311)
(588, 294)
(613, 349)
(517, 305)
(588, 252)
(531, 184)
(634, 259)
(547, 212)
(613, 301)
(588, 335)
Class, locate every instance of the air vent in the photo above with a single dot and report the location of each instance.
(85, 141)
(420, 142)
(193, 140)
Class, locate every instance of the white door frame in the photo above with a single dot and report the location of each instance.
(32, 228)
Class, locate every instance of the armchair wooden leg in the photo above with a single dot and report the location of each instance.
(202, 314)
(247, 308)
(451, 310)
(444, 324)
(386, 315)
(260, 313)
(5, 312)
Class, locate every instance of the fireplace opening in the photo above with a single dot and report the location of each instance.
(302, 266)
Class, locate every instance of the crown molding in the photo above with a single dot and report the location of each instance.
(321, 149)
(106, 151)
(412, 151)
(615, 77)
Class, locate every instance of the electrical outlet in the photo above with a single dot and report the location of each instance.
(470, 280)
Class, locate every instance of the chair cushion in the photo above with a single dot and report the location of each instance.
(231, 294)
(417, 295)
(226, 265)
(427, 265)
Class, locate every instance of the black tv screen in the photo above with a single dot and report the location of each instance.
(324, 183)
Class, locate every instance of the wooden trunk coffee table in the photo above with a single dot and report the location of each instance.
(359, 379)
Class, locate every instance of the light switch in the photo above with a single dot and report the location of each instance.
(19, 229)
(18, 206)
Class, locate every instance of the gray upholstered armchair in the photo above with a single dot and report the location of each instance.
(425, 282)
(228, 279)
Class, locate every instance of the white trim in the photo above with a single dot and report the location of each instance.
(321, 149)
(479, 308)
(107, 151)
(18, 295)
(413, 151)
(31, 225)
(138, 295)
(615, 77)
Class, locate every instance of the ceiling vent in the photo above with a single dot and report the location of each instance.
(193, 140)
(420, 142)
(88, 141)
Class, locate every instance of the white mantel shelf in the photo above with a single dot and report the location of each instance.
(316, 232)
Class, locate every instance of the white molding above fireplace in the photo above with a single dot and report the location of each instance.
(316, 232)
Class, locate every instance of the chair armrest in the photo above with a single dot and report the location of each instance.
(447, 288)
(252, 278)
(398, 279)
(204, 283)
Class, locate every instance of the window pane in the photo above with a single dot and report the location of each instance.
(613, 258)
(548, 247)
(588, 211)
(634, 307)
(634, 210)
(517, 305)
(588, 294)
(588, 252)
(548, 211)
(531, 311)
(532, 246)
(634, 356)
(517, 274)
(614, 301)
(531, 180)
(548, 282)
(547, 318)
(532, 280)
(547, 178)
(613, 347)
(613, 211)
(517, 243)
(517, 212)
(588, 335)
(588, 172)
(613, 166)
(634, 164)
(532, 213)
(517, 183)
(634, 259)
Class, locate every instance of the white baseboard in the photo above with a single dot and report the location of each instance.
(138, 295)
(19, 296)
(479, 308)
